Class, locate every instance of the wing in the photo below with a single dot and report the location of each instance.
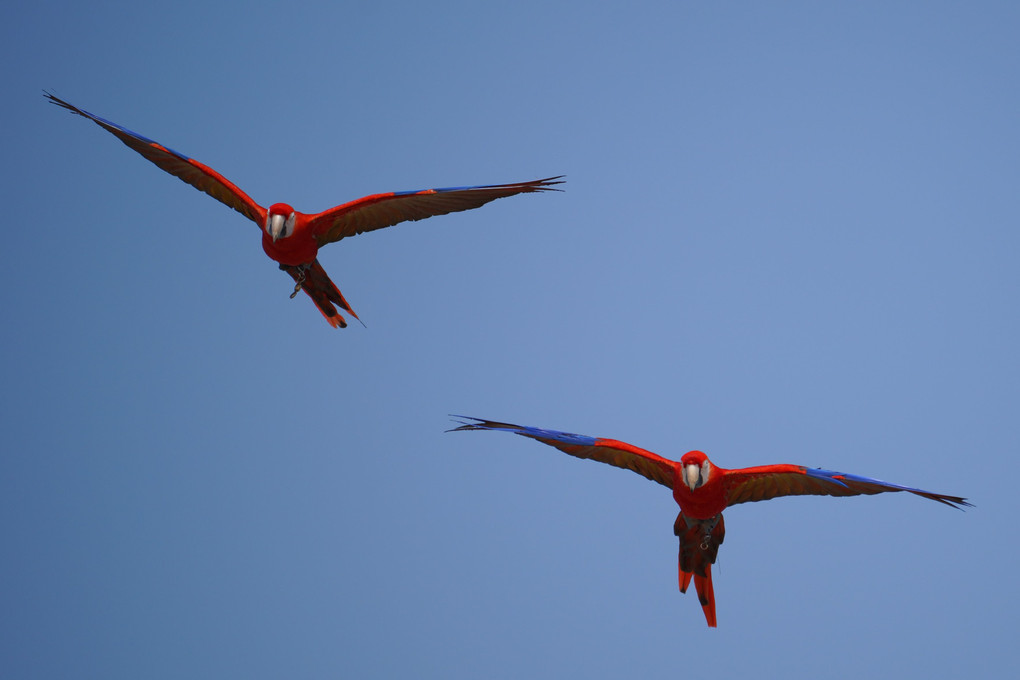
(609, 451)
(200, 176)
(769, 481)
(384, 210)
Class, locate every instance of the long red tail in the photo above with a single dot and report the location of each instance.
(316, 283)
(699, 546)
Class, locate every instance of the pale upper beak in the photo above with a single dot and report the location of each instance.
(692, 476)
(275, 225)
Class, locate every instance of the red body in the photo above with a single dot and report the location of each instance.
(703, 491)
(297, 249)
(708, 500)
(296, 245)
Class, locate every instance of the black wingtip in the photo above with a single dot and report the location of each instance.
(464, 425)
(54, 99)
(957, 502)
(547, 183)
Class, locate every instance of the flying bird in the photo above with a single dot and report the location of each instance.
(703, 490)
(293, 238)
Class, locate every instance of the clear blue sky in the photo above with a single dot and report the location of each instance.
(789, 234)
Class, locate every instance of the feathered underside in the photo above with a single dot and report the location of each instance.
(379, 211)
(609, 451)
(188, 170)
(314, 281)
(699, 547)
(771, 481)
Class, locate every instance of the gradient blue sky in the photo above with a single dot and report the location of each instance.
(789, 234)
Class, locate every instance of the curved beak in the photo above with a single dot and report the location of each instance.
(275, 225)
(692, 476)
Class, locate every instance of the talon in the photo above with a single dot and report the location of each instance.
(300, 281)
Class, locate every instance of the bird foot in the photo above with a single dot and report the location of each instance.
(300, 279)
(707, 526)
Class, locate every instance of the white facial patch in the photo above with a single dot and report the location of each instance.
(279, 227)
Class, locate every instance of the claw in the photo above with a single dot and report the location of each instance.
(300, 281)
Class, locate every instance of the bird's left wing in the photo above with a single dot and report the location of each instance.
(198, 175)
(769, 481)
(616, 453)
(384, 210)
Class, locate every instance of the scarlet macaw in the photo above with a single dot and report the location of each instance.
(703, 490)
(293, 238)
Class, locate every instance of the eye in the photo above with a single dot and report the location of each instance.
(705, 469)
(288, 226)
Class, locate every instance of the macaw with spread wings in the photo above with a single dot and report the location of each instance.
(293, 238)
(703, 490)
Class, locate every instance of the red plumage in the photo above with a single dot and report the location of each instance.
(703, 490)
(293, 238)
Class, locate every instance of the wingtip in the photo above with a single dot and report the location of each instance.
(547, 184)
(463, 424)
(57, 101)
(960, 504)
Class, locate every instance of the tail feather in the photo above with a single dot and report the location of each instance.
(706, 595)
(699, 547)
(323, 292)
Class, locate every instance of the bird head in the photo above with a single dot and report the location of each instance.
(695, 469)
(280, 221)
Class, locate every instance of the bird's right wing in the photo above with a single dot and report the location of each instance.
(616, 453)
(198, 175)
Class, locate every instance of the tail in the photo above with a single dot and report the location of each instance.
(316, 283)
(706, 595)
(699, 546)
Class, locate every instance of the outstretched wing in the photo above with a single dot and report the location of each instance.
(769, 481)
(609, 451)
(198, 175)
(384, 210)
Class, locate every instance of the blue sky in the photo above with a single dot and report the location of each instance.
(789, 234)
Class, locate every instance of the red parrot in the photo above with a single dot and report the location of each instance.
(703, 490)
(293, 238)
